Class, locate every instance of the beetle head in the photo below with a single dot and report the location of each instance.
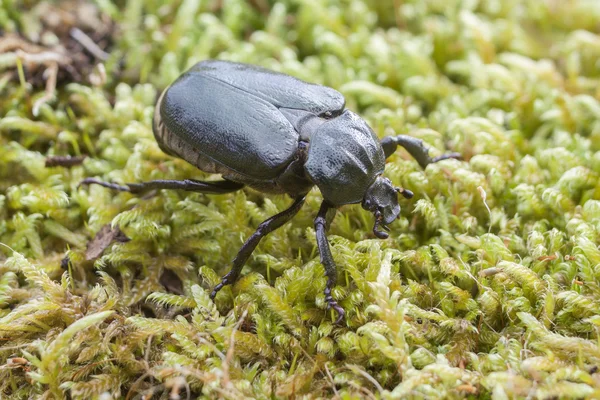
(381, 198)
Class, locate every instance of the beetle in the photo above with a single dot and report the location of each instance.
(276, 134)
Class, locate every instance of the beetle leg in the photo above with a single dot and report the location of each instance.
(263, 230)
(191, 185)
(415, 147)
(327, 259)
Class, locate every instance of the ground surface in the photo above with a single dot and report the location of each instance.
(488, 287)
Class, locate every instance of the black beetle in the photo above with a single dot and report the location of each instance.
(276, 134)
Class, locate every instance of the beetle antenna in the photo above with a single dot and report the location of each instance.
(376, 231)
(408, 194)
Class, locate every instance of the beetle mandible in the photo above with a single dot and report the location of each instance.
(276, 134)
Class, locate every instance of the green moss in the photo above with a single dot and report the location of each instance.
(488, 286)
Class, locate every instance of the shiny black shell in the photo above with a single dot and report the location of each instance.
(228, 112)
(253, 125)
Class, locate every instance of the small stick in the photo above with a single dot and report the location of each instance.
(51, 75)
(12, 42)
(64, 161)
(89, 44)
(45, 57)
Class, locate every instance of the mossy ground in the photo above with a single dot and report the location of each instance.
(488, 287)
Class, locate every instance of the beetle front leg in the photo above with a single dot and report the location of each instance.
(190, 185)
(415, 147)
(327, 259)
(263, 230)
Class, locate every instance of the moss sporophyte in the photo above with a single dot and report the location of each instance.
(487, 285)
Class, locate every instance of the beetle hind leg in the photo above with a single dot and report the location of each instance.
(263, 230)
(191, 185)
(415, 147)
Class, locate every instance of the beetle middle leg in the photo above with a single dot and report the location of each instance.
(191, 185)
(415, 147)
(263, 230)
(327, 259)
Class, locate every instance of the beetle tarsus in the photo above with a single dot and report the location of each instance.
(380, 234)
(224, 282)
(332, 304)
(376, 231)
(455, 156)
(114, 186)
(415, 147)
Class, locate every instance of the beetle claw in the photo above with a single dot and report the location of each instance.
(215, 290)
(456, 156)
(339, 310)
(224, 282)
(331, 303)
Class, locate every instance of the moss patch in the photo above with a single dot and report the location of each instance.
(489, 285)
